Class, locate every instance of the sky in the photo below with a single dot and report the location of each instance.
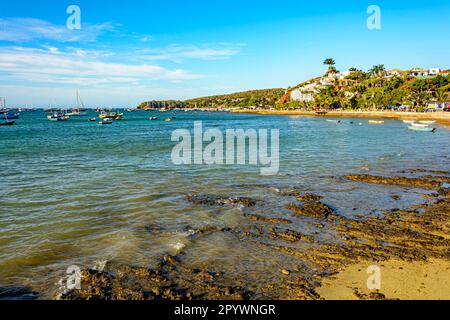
(138, 50)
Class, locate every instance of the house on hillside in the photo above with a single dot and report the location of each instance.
(394, 72)
(298, 95)
(419, 72)
(434, 72)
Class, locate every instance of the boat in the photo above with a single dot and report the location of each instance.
(105, 122)
(153, 118)
(408, 121)
(334, 121)
(111, 115)
(420, 125)
(5, 113)
(427, 122)
(423, 129)
(7, 123)
(77, 111)
(93, 120)
(376, 122)
(168, 120)
(58, 117)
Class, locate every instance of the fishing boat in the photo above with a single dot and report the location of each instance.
(419, 125)
(111, 115)
(423, 129)
(376, 122)
(7, 122)
(427, 122)
(57, 117)
(104, 122)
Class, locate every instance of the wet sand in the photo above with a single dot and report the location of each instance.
(411, 246)
(441, 117)
(401, 280)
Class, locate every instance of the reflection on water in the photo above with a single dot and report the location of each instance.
(79, 193)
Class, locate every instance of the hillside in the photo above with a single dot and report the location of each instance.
(246, 99)
(377, 89)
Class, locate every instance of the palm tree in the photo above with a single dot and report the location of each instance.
(378, 71)
(330, 63)
(442, 95)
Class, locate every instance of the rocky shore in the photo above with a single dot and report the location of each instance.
(327, 262)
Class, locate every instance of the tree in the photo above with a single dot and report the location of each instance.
(442, 95)
(378, 71)
(330, 63)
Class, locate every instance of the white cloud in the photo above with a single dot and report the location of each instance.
(21, 30)
(79, 67)
(179, 53)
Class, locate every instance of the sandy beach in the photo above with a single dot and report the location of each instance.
(441, 117)
(400, 280)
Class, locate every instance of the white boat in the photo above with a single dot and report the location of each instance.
(427, 122)
(409, 121)
(77, 111)
(424, 129)
(419, 125)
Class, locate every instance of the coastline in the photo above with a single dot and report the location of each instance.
(441, 117)
(410, 246)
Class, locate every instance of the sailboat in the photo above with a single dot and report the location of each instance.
(78, 110)
(6, 113)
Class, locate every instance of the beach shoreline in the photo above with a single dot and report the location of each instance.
(409, 246)
(441, 117)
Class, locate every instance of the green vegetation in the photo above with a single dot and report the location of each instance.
(372, 90)
(376, 89)
(253, 98)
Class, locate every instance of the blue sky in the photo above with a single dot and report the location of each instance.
(140, 50)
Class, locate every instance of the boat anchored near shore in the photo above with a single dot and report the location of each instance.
(423, 129)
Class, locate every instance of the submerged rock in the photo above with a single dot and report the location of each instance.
(311, 207)
(426, 182)
(170, 280)
(221, 201)
(258, 218)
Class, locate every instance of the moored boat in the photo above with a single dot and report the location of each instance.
(7, 123)
(420, 125)
(408, 121)
(427, 122)
(423, 129)
(104, 122)
(58, 117)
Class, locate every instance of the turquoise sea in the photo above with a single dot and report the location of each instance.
(77, 193)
